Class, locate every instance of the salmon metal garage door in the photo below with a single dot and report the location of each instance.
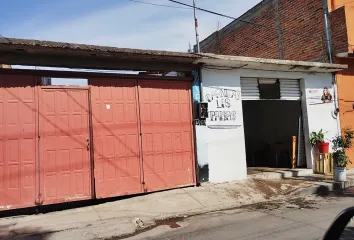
(117, 158)
(167, 137)
(17, 142)
(65, 173)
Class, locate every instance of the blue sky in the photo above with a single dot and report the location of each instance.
(120, 23)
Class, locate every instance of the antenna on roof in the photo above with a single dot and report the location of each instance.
(190, 50)
(218, 26)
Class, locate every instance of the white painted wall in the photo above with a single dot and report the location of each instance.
(319, 116)
(221, 143)
(224, 149)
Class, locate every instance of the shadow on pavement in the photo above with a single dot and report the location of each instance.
(58, 207)
(7, 232)
(347, 193)
(71, 205)
(325, 191)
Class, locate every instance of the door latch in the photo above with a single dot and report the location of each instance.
(88, 144)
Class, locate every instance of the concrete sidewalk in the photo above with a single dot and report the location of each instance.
(124, 217)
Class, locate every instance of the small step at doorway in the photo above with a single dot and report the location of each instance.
(276, 173)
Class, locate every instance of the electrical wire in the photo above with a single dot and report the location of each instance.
(249, 22)
(162, 5)
(190, 7)
(159, 5)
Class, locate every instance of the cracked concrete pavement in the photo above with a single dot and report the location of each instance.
(119, 218)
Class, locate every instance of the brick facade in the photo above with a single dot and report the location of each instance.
(296, 32)
(339, 30)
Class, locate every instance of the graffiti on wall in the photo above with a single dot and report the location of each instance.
(223, 106)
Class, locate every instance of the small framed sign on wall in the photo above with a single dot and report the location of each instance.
(224, 107)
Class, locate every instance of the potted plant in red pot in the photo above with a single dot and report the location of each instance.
(317, 140)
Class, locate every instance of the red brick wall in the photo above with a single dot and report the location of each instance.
(303, 17)
(296, 17)
(247, 39)
(339, 30)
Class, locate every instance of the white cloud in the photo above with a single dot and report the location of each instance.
(135, 25)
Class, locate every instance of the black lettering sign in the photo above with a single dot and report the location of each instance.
(222, 99)
(222, 116)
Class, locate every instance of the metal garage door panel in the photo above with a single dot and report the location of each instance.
(116, 137)
(167, 138)
(65, 158)
(17, 142)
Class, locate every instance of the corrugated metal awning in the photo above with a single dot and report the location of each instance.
(59, 54)
(237, 62)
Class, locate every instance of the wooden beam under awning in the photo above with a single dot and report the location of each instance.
(92, 62)
(69, 55)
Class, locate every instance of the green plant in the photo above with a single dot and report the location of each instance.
(316, 137)
(340, 144)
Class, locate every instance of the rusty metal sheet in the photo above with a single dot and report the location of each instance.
(117, 157)
(167, 135)
(18, 167)
(65, 170)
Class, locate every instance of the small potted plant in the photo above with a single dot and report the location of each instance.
(340, 158)
(317, 140)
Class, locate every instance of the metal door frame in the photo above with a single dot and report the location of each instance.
(142, 173)
(193, 135)
(92, 160)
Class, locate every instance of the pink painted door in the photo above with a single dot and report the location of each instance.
(116, 137)
(17, 142)
(167, 138)
(65, 170)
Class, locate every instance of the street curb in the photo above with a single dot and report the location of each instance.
(340, 186)
(324, 188)
(281, 174)
(321, 189)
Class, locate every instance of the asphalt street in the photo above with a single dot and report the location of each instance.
(297, 218)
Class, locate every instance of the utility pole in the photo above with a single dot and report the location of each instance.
(196, 26)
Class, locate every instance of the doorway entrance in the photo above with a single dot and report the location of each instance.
(272, 117)
(269, 127)
(64, 145)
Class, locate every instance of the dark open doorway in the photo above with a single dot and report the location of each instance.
(269, 126)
